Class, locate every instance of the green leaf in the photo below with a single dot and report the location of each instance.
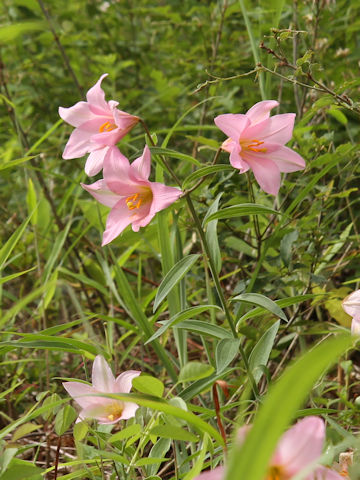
(211, 234)
(64, 418)
(12, 241)
(24, 430)
(175, 433)
(203, 328)
(261, 301)
(32, 201)
(80, 430)
(205, 171)
(22, 470)
(125, 433)
(226, 351)
(175, 154)
(338, 115)
(179, 317)
(261, 352)
(279, 408)
(241, 210)
(173, 277)
(149, 385)
(194, 371)
(9, 33)
(197, 467)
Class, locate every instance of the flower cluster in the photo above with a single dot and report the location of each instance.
(125, 187)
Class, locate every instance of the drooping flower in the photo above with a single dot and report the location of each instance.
(126, 188)
(351, 305)
(105, 410)
(98, 125)
(257, 142)
(298, 448)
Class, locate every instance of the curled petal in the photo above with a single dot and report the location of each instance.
(232, 124)
(140, 168)
(261, 111)
(77, 114)
(102, 377)
(95, 161)
(355, 326)
(237, 160)
(123, 382)
(108, 138)
(96, 98)
(101, 192)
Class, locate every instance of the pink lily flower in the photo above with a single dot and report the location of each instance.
(351, 305)
(105, 410)
(98, 125)
(126, 188)
(257, 142)
(298, 448)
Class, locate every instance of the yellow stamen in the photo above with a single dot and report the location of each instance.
(115, 410)
(131, 201)
(107, 127)
(253, 146)
(111, 417)
(276, 473)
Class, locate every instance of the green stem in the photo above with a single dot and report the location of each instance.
(220, 292)
(253, 48)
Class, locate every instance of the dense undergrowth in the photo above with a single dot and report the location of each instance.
(263, 284)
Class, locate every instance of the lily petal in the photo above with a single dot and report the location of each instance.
(301, 445)
(261, 111)
(237, 161)
(117, 173)
(217, 474)
(95, 161)
(102, 377)
(77, 390)
(140, 168)
(287, 160)
(96, 98)
(163, 196)
(77, 114)
(266, 173)
(232, 124)
(118, 219)
(77, 145)
(276, 129)
(323, 473)
(101, 192)
(123, 382)
(129, 410)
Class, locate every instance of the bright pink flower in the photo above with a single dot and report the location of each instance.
(132, 197)
(257, 142)
(98, 125)
(105, 410)
(298, 448)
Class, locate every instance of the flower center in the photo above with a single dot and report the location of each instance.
(276, 473)
(107, 127)
(134, 201)
(114, 411)
(253, 145)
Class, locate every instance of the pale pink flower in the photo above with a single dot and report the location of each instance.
(257, 142)
(298, 448)
(98, 125)
(351, 305)
(105, 410)
(126, 188)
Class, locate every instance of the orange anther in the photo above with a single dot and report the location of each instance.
(107, 127)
